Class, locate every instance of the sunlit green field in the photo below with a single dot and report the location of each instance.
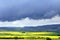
(29, 39)
(30, 35)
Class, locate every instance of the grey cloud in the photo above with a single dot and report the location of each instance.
(11, 10)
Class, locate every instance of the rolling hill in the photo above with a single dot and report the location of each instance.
(50, 28)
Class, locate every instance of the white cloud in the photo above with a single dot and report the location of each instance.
(30, 22)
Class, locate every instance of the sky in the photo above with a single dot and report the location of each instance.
(20, 13)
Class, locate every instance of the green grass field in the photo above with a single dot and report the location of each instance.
(28, 39)
(30, 35)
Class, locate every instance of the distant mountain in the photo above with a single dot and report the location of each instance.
(54, 28)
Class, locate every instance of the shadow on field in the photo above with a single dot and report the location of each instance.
(48, 38)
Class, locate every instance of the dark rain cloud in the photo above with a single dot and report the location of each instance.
(11, 10)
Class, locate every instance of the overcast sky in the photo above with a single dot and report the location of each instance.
(20, 13)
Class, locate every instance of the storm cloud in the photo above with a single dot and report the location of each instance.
(31, 22)
(11, 10)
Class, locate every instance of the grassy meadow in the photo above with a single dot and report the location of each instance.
(30, 35)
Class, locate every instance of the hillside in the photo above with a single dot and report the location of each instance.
(54, 28)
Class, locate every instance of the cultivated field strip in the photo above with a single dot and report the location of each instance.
(30, 35)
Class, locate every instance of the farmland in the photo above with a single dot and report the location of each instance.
(28, 39)
(30, 35)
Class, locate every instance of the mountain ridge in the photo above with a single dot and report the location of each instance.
(52, 28)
